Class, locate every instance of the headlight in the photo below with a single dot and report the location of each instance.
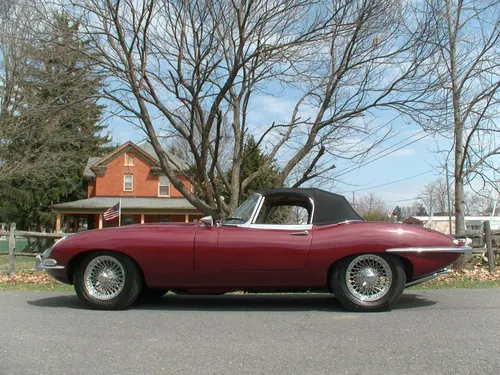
(47, 252)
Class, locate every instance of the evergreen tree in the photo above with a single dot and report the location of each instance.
(253, 160)
(398, 212)
(421, 211)
(62, 116)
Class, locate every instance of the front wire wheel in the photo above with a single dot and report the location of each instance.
(104, 277)
(368, 282)
(107, 281)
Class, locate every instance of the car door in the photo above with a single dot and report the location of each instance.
(261, 247)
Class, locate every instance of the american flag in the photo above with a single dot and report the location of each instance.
(112, 213)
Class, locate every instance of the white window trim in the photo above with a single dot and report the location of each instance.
(159, 185)
(125, 182)
(129, 160)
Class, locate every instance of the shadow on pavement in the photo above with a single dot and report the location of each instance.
(237, 302)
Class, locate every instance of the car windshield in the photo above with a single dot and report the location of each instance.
(243, 213)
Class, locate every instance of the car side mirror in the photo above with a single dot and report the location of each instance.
(208, 221)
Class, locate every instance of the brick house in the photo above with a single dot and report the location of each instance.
(131, 174)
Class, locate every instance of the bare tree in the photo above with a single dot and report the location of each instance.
(434, 196)
(373, 208)
(191, 70)
(485, 204)
(462, 87)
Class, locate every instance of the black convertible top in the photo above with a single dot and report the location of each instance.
(329, 208)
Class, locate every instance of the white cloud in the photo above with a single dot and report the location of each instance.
(404, 152)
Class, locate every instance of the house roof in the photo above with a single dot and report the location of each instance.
(176, 161)
(100, 204)
(144, 148)
(87, 172)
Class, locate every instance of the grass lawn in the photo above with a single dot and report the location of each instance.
(22, 263)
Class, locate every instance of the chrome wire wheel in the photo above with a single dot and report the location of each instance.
(368, 277)
(104, 277)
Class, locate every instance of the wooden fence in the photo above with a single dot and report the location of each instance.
(37, 243)
(484, 241)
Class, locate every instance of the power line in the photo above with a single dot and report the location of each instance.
(404, 200)
(389, 183)
(350, 169)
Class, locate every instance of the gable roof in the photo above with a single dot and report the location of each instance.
(143, 149)
(176, 161)
(87, 172)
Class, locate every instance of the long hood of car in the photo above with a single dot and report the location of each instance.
(123, 238)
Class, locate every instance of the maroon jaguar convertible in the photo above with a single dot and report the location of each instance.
(278, 240)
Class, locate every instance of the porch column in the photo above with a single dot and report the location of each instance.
(100, 221)
(186, 218)
(68, 219)
(58, 223)
(142, 218)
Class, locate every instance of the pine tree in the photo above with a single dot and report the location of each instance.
(60, 94)
(253, 159)
(398, 212)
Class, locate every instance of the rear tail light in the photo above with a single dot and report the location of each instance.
(462, 241)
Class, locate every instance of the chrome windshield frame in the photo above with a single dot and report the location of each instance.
(252, 215)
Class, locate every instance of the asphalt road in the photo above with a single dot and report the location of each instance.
(430, 332)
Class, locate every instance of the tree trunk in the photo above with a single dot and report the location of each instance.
(457, 121)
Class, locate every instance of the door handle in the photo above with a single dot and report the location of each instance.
(303, 233)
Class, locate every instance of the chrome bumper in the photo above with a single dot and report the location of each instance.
(46, 264)
(428, 277)
(455, 249)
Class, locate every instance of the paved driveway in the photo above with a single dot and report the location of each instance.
(431, 332)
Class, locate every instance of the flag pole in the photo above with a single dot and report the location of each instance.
(120, 213)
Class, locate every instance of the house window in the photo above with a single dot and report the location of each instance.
(128, 182)
(129, 160)
(163, 187)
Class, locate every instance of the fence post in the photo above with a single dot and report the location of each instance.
(12, 247)
(489, 247)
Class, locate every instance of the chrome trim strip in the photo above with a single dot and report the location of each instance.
(437, 249)
(313, 209)
(428, 277)
(39, 266)
(257, 209)
(298, 227)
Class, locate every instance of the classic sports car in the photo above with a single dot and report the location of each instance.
(278, 240)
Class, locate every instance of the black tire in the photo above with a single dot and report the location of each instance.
(152, 293)
(353, 296)
(122, 277)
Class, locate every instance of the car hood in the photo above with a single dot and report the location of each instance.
(118, 238)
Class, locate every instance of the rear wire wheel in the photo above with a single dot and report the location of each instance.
(368, 282)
